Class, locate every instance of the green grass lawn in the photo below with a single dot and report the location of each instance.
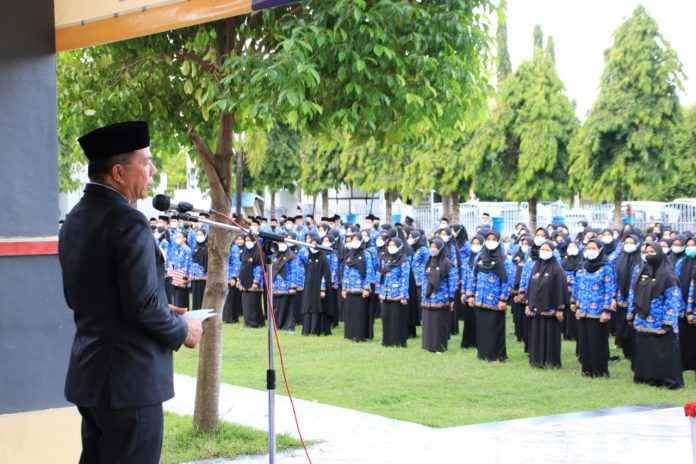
(439, 390)
(183, 444)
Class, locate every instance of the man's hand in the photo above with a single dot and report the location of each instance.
(193, 336)
(177, 310)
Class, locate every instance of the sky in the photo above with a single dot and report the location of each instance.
(582, 30)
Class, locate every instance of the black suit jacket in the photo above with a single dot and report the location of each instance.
(113, 279)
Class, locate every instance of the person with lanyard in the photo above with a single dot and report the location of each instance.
(655, 302)
(547, 298)
(393, 288)
(199, 269)
(593, 294)
(233, 303)
(468, 273)
(330, 240)
(317, 307)
(685, 269)
(121, 365)
(358, 277)
(437, 298)
(250, 283)
(179, 270)
(571, 263)
(624, 270)
(490, 287)
(519, 259)
(284, 287)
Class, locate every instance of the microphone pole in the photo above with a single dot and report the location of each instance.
(269, 244)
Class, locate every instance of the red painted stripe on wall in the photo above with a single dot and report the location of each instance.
(19, 246)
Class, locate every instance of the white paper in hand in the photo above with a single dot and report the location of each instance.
(199, 314)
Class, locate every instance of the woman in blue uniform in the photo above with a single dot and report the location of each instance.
(179, 270)
(302, 255)
(469, 331)
(358, 277)
(686, 274)
(317, 306)
(593, 293)
(199, 269)
(628, 260)
(283, 278)
(438, 297)
(571, 263)
(463, 248)
(393, 288)
(547, 297)
(233, 303)
(654, 305)
(491, 286)
(250, 283)
(519, 259)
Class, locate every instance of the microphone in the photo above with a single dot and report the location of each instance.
(162, 202)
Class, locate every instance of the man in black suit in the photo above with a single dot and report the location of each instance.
(120, 368)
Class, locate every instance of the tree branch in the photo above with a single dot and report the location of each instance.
(207, 159)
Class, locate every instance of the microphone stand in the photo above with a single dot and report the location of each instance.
(269, 247)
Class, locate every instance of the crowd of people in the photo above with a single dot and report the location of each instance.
(636, 286)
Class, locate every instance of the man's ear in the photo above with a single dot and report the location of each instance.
(117, 173)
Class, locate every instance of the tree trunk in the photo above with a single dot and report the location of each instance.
(618, 199)
(325, 203)
(273, 204)
(532, 214)
(446, 206)
(455, 208)
(388, 207)
(314, 205)
(240, 182)
(218, 169)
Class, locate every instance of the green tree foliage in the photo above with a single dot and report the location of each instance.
(522, 151)
(682, 181)
(625, 148)
(279, 167)
(504, 67)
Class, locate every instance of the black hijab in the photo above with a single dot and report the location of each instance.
(594, 265)
(492, 261)
(572, 263)
(461, 235)
(355, 257)
(534, 249)
(609, 248)
(200, 253)
(402, 234)
(654, 277)
(421, 241)
(687, 275)
(395, 260)
(625, 265)
(448, 245)
(249, 260)
(280, 261)
(548, 288)
(472, 255)
(677, 256)
(437, 268)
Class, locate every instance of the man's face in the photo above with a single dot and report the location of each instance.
(136, 176)
(274, 224)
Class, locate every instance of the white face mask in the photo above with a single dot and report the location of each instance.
(491, 244)
(392, 250)
(379, 242)
(354, 245)
(607, 239)
(591, 254)
(411, 241)
(282, 247)
(434, 251)
(545, 255)
(249, 245)
(677, 249)
(179, 241)
(630, 247)
(200, 239)
(254, 228)
(524, 248)
(322, 234)
(476, 248)
(538, 241)
(157, 235)
(313, 250)
(342, 232)
(644, 257)
(445, 238)
(573, 251)
(665, 250)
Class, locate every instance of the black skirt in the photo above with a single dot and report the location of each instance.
(524, 322)
(233, 305)
(545, 341)
(375, 307)
(687, 345)
(395, 330)
(251, 308)
(340, 302)
(457, 314)
(657, 361)
(436, 326)
(297, 307)
(316, 324)
(168, 289)
(593, 347)
(624, 333)
(359, 322)
(197, 290)
(517, 315)
(490, 334)
(570, 325)
(284, 316)
(180, 297)
(414, 316)
(469, 331)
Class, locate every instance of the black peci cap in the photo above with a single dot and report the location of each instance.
(115, 139)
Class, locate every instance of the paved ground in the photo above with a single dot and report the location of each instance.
(616, 436)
